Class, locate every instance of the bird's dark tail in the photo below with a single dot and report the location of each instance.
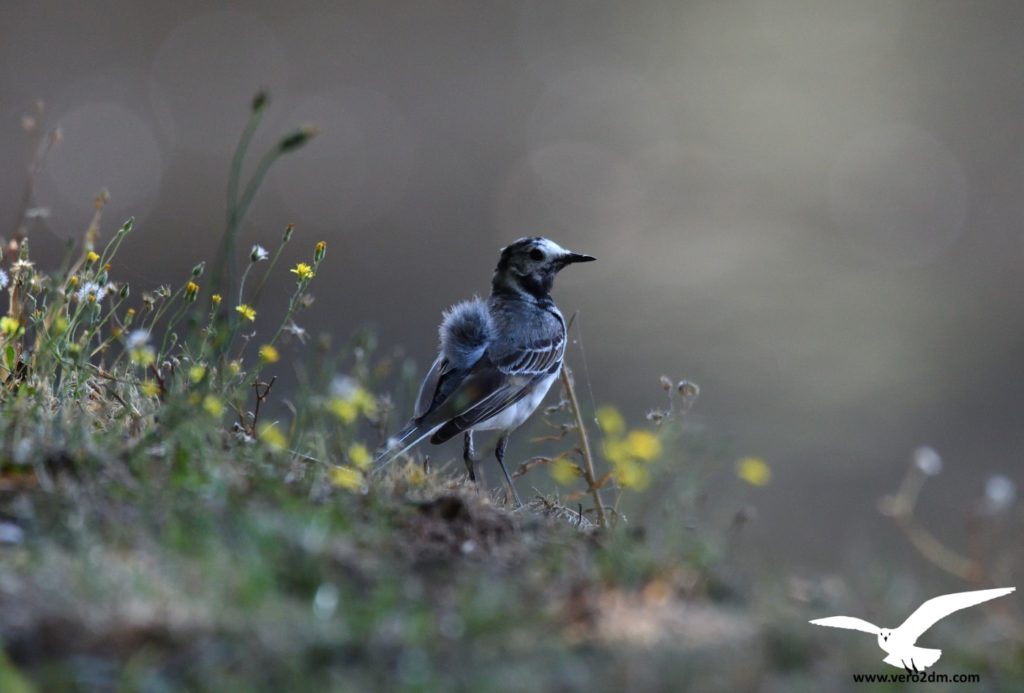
(402, 441)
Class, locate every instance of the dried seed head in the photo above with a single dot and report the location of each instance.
(666, 383)
(688, 390)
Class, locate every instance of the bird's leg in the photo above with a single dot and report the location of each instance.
(499, 452)
(467, 455)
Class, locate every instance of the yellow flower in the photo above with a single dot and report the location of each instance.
(196, 373)
(9, 326)
(359, 456)
(564, 472)
(754, 470)
(92, 256)
(415, 475)
(319, 251)
(73, 281)
(610, 420)
(191, 291)
(349, 407)
(268, 354)
(60, 326)
(215, 299)
(643, 445)
(629, 474)
(270, 435)
(303, 271)
(143, 356)
(235, 367)
(616, 451)
(246, 311)
(347, 478)
(150, 388)
(213, 406)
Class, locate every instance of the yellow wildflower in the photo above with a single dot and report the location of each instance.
(303, 271)
(319, 251)
(359, 456)
(268, 354)
(143, 356)
(92, 256)
(564, 472)
(246, 311)
(754, 470)
(150, 388)
(73, 281)
(9, 326)
(629, 474)
(347, 478)
(415, 475)
(215, 299)
(196, 373)
(270, 435)
(347, 408)
(610, 420)
(191, 291)
(643, 445)
(235, 367)
(213, 406)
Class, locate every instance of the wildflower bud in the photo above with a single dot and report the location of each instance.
(124, 291)
(258, 254)
(288, 231)
(92, 256)
(666, 383)
(260, 100)
(298, 138)
(130, 313)
(102, 278)
(927, 461)
(106, 267)
(197, 271)
(319, 251)
(127, 227)
(73, 281)
(215, 299)
(191, 291)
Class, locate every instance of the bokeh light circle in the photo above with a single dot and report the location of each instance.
(104, 145)
(898, 196)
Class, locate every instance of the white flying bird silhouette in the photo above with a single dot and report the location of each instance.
(899, 643)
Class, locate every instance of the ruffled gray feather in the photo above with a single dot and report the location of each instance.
(466, 331)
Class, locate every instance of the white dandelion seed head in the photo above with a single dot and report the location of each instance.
(928, 461)
(137, 338)
(91, 289)
(1000, 493)
(343, 386)
(258, 253)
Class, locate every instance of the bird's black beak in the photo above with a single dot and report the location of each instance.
(570, 258)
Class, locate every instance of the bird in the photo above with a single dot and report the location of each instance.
(497, 356)
(900, 643)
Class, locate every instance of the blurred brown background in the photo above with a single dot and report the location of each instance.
(813, 209)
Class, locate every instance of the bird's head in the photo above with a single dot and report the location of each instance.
(883, 636)
(530, 264)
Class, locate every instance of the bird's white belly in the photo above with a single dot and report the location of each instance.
(514, 416)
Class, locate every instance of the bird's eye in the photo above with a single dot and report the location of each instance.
(537, 254)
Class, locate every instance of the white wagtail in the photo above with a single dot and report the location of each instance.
(497, 357)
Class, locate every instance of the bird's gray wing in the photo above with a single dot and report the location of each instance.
(496, 382)
(847, 622)
(938, 608)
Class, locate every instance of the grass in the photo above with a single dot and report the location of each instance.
(160, 532)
